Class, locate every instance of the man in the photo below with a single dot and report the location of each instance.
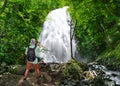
(30, 62)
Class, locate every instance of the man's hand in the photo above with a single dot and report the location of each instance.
(39, 44)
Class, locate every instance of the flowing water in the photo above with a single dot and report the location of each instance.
(109, 74)
(55, 37)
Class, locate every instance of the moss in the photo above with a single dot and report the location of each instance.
(14, 69)
(73, 70)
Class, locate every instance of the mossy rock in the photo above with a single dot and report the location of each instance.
(17, 69)
(73, 70)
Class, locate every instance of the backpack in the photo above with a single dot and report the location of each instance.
(31, 54)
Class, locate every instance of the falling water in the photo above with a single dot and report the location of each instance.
(55, 36)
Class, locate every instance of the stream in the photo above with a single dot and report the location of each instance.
(112, 78)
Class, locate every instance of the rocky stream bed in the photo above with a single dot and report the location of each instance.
(56, 75)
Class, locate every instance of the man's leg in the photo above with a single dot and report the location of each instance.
(38, 78)
(28, 66)
(36, 67)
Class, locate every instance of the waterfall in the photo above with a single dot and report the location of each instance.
(55, 36)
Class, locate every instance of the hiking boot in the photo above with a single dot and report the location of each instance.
(24, 79)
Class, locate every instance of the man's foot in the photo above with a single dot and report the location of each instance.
(38, 77)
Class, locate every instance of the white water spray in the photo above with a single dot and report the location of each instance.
(55, 36)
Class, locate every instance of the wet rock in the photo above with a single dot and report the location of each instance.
(3, 68)
(55, 67)
(90, 75)
(109, 83)
(98, 81)
(46, 77)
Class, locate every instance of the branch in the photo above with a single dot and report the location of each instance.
(74, 30)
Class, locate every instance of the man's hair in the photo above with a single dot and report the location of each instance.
(32, 41)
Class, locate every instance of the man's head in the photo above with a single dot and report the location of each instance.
(33, 41)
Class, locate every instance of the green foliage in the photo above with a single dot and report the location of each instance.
(20, 20)
(14, 69)
(16, 30)
(110, 58)
(117, 51)
(97, 25)
(73, 70)
(112, 53)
